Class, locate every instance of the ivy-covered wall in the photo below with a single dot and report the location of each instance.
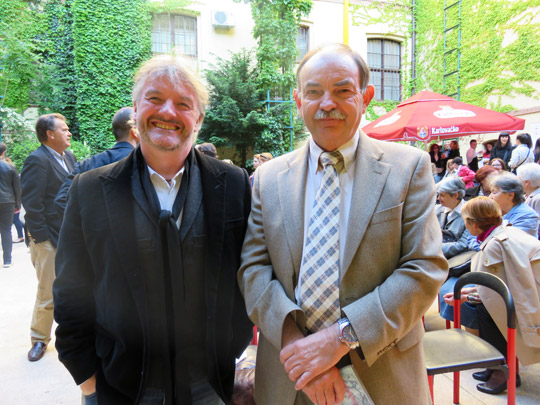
(20, 29)
(500, 49)
(110, 39)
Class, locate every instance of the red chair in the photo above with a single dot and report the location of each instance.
(255, 340)
(454, 350)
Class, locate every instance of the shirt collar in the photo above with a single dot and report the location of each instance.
(347, 150)
(456, 209)
(534, 192)
(158, 179)
(55, 153)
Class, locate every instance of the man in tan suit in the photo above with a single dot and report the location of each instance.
(370, 210)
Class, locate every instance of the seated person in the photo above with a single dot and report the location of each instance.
(498, 164)
(508, 192)
(455, 236)
(455, 241)
(504, 246)
(483, 178)
(529, 175)
(466, 174)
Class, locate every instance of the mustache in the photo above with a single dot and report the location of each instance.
(334, 114)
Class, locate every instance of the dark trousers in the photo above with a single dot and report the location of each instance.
(6, 219)
(18, 224)
(489, 331)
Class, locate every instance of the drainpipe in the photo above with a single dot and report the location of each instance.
(346, 22)
(413, 46)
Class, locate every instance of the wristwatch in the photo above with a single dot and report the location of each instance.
(346, 334)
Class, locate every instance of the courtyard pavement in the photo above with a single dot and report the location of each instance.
(47, 382)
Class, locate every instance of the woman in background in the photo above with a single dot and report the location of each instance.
(514, 256)
(498, 164)
(507, 191)
(503, 148)
(522, 153)
(438, 160)
(455, 241)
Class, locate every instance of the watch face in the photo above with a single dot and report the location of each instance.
(348, 334)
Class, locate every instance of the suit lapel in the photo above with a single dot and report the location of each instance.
(369, 181)
(292, 203)
(214, 184)
(117, 190)
(61, 171)
(193, 200)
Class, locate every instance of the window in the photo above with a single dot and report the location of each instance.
(384, 60)
(174, 31)
(302, 41)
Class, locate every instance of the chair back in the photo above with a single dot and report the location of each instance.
(496, 284)
(493, 282)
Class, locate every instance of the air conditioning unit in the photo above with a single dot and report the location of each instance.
(222, 19)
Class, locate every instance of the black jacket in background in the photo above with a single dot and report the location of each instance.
(505, 154)
(10, 185)
(119, 151)
(41, 178)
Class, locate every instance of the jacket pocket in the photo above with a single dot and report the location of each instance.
(387, 214)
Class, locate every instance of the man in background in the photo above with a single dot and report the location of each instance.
(207, 149)
(127, 138)
(43, 173)
(472, 158)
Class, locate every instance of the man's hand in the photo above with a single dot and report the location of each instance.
(89, 386)
(306, 358)
(327, 388)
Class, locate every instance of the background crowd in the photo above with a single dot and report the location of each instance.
(489, 217)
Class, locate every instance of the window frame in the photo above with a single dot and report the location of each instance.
(382, 69)
(306, 29)
(173, 33)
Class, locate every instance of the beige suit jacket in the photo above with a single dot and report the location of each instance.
(391, 272)
(514, 256)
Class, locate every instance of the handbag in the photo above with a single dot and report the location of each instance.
(460, 264)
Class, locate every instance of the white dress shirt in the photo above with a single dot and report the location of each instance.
(59, 158)
(167, 191)
(313, 183)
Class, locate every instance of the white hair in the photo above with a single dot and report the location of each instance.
(530, 172)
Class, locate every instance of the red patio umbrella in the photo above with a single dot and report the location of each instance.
(427, 115)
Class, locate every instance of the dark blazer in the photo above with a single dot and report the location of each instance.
(10, 184)
(101, 302)
(456, 226)
(119, 151)
(41, 178)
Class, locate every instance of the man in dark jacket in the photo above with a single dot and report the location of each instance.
(10, 201)
(127, 138)
(146, 298)
(43, 172)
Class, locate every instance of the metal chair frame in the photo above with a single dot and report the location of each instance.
(438, 360)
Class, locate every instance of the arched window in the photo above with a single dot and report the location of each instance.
(384, 60)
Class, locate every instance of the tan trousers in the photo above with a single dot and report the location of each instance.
(42, 255)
